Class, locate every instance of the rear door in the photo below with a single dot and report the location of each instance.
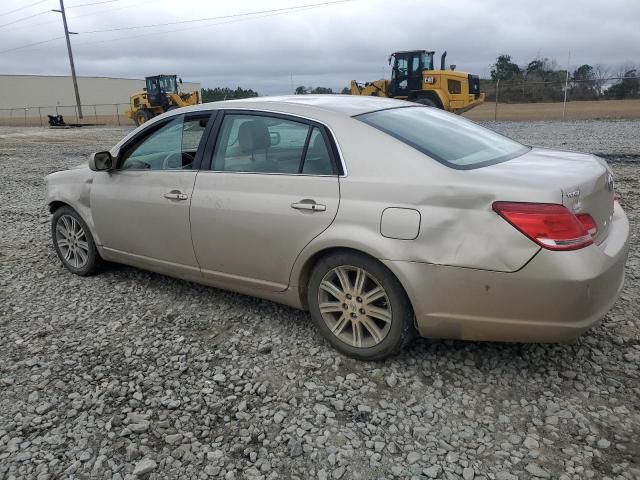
(272, 186)
(141, 209)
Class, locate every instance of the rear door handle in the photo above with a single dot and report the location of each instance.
(309, 205)
(176, 195)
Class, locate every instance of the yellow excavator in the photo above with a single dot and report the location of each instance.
(414, 78)
(160, 95)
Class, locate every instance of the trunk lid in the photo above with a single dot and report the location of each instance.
(584, 181)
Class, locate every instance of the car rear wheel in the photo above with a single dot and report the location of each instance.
(73, 242)
(359, 306)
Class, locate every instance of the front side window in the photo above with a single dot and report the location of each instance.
(449, 139)
(264, 144)
(173, 146)
(168, 84)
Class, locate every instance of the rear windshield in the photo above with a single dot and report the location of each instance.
(449, 139)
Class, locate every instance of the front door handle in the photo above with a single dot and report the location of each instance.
(176, 195)
(309, 205)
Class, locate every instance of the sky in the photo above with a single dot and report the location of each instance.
(273, 46)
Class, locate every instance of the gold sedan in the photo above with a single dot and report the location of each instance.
(385, 219)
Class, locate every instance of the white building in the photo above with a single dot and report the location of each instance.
(24, 99)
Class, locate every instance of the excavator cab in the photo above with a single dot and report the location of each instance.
(406, 72)
(158, 89)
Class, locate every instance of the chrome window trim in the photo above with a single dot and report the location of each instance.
(271, 173)
(295, 115)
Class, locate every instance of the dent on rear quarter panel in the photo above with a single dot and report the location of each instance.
(458, 226)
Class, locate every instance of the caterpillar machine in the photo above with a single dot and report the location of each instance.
(414, 78)
(162, 93)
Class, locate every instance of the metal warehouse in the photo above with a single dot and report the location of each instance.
(28, 99)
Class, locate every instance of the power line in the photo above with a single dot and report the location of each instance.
(222, 17)
(31, 45)
(269, 13)
(23, 8)
(90, 4)
(24, 18)
(73, 17)
(118, 39)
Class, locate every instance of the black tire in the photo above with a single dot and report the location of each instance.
(400, 330)
(427, 101)
(93, 261)
(142, 116)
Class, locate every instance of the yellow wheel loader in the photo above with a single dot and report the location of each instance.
(161, 95)
(414, 78)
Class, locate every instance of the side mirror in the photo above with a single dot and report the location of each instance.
(101, 162)
(180, 80)
(274, 138)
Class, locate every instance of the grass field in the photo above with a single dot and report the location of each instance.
(593, 110)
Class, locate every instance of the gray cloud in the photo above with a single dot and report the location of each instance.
(326, 46)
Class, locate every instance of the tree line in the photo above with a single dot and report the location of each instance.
(541, 80)
(217, 94)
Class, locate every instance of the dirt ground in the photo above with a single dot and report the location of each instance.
(595, 110)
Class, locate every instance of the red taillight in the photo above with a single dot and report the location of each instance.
(550, 225)
(588, 223)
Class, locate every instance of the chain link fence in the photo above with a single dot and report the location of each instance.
(505, 100)
(95, 114)
(559, 99)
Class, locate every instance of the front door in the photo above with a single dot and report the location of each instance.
(400, 76)
(272, 187)
(415, 72)
(141, 209)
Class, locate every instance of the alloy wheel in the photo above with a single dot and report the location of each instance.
(72, 241)
(355, 306)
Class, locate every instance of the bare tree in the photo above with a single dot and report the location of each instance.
(601, 74)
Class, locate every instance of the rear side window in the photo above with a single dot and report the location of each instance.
(449, 139)
(265, 144)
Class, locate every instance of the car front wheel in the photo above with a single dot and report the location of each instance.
(73, 242)
(359, 306)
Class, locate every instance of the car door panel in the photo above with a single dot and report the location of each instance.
(133, 216)
(245, 230)
(141, 209)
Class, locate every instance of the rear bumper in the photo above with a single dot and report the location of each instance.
(554, 298)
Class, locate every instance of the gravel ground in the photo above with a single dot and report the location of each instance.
(131, 374)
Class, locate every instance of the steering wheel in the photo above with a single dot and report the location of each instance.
(135, 164)
(167, 160)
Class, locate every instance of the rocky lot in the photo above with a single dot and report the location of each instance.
(131, 374)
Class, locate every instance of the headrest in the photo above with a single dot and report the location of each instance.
(253, 136)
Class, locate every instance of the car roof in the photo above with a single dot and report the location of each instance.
(350, 105)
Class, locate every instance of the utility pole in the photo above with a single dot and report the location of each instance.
(73, 68)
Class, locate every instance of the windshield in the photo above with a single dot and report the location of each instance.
(168, 84)
(447, 138)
